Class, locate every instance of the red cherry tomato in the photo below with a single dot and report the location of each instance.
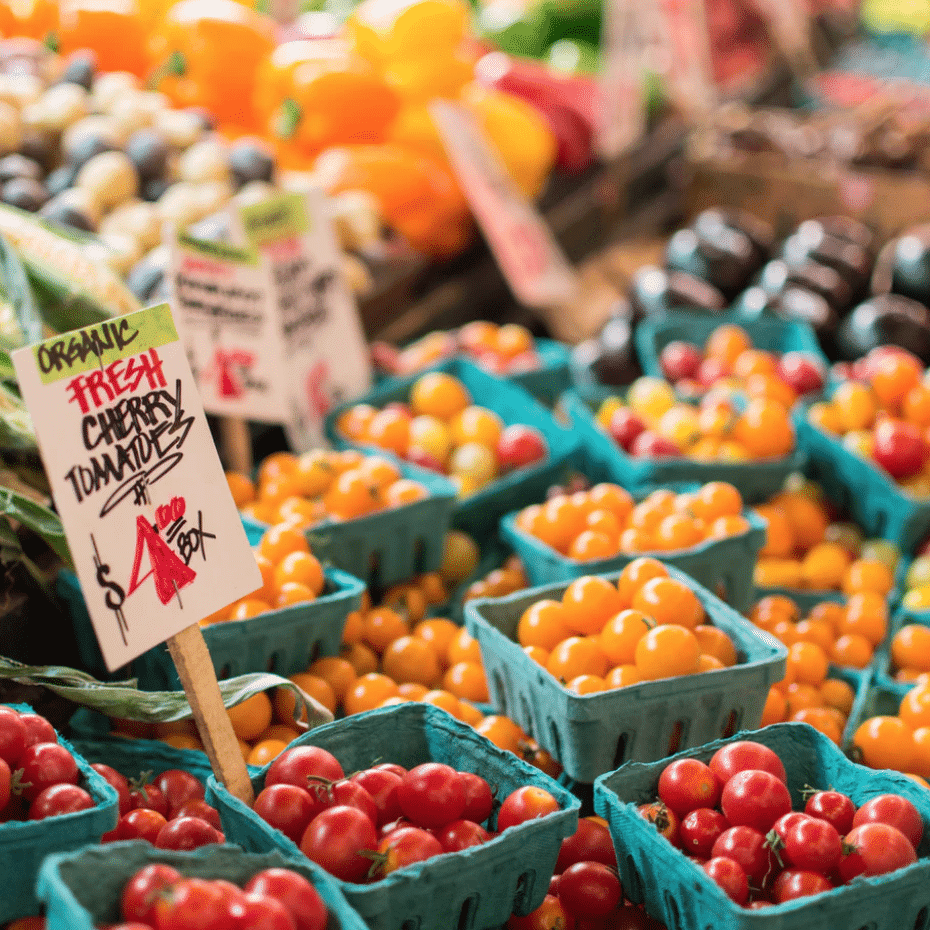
(550, 915)
(194, 904)
(747, 847)
(382, 786)
(479, 799)
(729, 875)
(140, 824)
(755, 798)
(118, 781)
(876, 850)
(590, 889)
(44, 765)
(187, 833)
(591, 842)
(895, 811)
(13, 736)
(526, 803)
(201, 810)
(687, 784)
(258, 912)
(432, 794)
(296, 766)
(743, 755)
(391, 767)
(699, 831)
(461, 834)
(404, 847)
(834, 807)
(351, 794)
(287, 808)
(179, 787)
(337, 839)
(38, 730)
(302, 900)
(143, 889)
(794, 883)
(812, 845)
(60, 799)
(148, 796)
(5, 782)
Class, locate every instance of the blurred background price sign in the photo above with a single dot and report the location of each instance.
(536, 270)
(790, 27)
(155, 536)
(688, 62)
(625, 45)
(325, 354)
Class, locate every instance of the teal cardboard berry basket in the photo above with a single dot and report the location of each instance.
(471, 890)
(478, 514)
(82, 890)
(757, 481)
(677, 892)
(389, 546)
(724, 563)
(25, 844)
(594, 733)
(770, 334)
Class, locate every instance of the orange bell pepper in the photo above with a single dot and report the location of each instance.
(33, 19)
(400, 30)
(418, 195)
(208, 52)
(112, 29)
(320, 95)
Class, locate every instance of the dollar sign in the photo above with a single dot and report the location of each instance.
(115, 595)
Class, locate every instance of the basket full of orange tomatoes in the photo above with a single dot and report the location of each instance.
(629, 666)
(704, 531)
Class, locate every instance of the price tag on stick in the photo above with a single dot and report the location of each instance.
(537, 271)
(156, 539)
(690, 73)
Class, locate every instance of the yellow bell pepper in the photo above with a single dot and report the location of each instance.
(521, 136)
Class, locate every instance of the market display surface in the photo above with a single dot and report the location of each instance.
(628, 635)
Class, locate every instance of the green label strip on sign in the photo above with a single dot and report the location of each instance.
(221, 251)
(275, 218)
(82, 350)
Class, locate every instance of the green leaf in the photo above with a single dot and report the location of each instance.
(123, 699)
(7, 371)
(37, 518)
(16, 286)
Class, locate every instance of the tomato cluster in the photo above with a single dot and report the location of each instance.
(367, 825)
(38, 776)
(806, 549)
(733, 818)
(605, 521)
(322, 485)
(501, 350)
(169, 811)
(159, 897)
(729, 357)
(440, 428)
(602, 635)
(882, 412)
(652, 423)
(585, 891)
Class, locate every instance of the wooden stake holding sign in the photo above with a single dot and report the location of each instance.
(129, 456)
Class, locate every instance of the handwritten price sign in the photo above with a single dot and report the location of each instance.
(155, 535)
(529, 257)
(317, 316)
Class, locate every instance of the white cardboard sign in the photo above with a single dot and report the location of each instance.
(325, 354)
(156, 538)
(529, 257)
(624, 49)
(688, 47)
(224, 305)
